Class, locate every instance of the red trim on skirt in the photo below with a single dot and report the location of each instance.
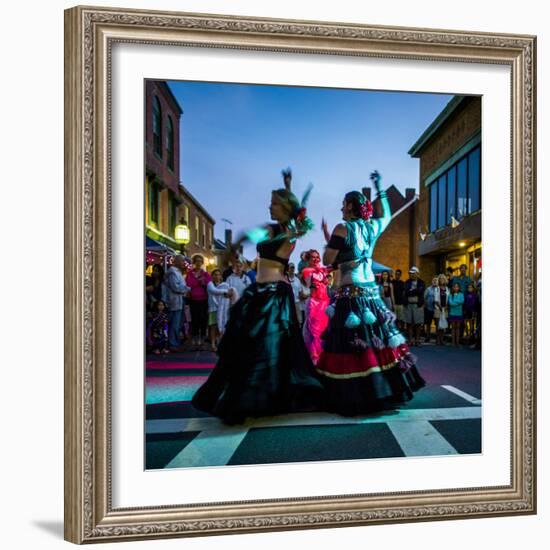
(356, 363)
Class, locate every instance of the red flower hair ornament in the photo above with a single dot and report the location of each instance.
(301, 214)
(366, 210)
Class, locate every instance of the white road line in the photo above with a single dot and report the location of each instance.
(473, 400)
(420, 438)
(211, 424)
(209, 448)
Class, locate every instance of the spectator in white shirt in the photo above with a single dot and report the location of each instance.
(298, 291)
(219, 296)
(238, 280)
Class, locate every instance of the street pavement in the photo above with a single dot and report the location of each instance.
(444, 418)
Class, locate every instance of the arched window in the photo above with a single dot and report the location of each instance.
(170, 143)
(157, 127)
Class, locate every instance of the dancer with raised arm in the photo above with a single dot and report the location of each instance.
(365, 365)
(263, 365)
(316, 321)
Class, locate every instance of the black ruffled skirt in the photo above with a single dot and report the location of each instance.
(366, 365)
(263, 366)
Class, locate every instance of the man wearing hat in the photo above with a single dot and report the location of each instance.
(414, 305)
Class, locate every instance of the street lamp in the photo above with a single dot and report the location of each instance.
(181, 233)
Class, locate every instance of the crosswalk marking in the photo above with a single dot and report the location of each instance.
(173, 425)
(217, 442)
(420, 438)
(210, 448)
(473, 400)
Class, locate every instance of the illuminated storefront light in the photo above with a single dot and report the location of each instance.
(182, 234)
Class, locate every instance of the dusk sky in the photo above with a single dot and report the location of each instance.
(235, 139)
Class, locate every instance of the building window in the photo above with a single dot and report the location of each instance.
(197, 230)
(186, 214)
(157, 127)
(442, 200)
(474, 180)
(462, 189)
(451, 194)
(203, 234)
(172, 214)
(433, 207)
(170, 143)
(457, 192)
(154, 203)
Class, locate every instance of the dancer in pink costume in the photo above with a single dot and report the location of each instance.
(315, 278)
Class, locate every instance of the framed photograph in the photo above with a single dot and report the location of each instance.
(275, 236)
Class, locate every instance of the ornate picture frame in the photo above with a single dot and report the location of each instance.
(90, 34)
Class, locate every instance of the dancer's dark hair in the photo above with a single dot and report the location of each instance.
(361, 206)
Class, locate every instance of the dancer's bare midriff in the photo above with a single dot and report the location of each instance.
(270, 271)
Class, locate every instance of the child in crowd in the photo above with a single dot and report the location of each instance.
(219, 296)
(238, 280)
(441, 306)
(157, 332)
(456, 313)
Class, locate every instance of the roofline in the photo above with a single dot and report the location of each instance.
(197, 203)
(221, 245)
(441, 118)
(171, 95)
(404, 207)
(387, 189)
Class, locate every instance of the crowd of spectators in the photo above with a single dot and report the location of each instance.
(188, 307)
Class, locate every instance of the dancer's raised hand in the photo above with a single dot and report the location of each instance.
(324, 227)
(376, 178)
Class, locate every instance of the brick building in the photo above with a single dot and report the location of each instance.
(397, 246)
(201, 225)
(449, 205)
(167, 201)
(224, 250)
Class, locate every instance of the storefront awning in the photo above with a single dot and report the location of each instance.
(467, 232)
(379, 268)
(155, 246)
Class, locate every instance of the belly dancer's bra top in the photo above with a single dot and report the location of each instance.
(356, 248)
(268, 249)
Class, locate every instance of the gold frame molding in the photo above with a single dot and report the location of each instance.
(89, 35)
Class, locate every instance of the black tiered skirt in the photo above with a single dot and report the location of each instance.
(366, 365)
(263, 366)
